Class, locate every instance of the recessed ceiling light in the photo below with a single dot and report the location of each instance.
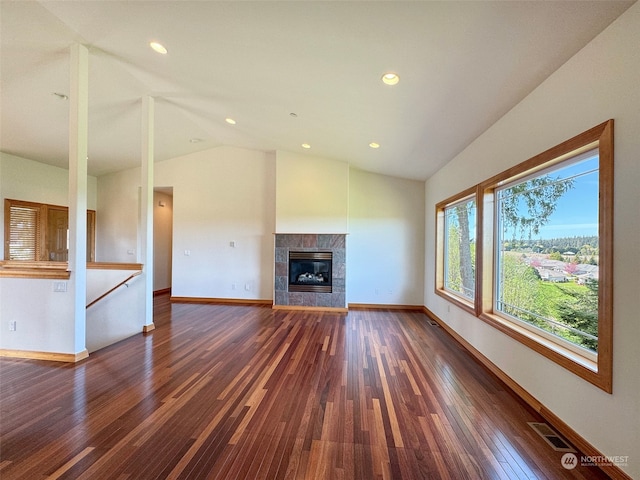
(61, 96)
(230, 121)
(374, 145)
(390, 78)
(293, 114)
(195, 140)
(306, 145)
(158, 47)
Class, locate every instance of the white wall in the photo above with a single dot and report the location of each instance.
(43, 325)
(602, 81)
(162, 240)
(118, 216)
(117, 316)
(385, 254)
(312, 194)
(220, 196)
(24, 179)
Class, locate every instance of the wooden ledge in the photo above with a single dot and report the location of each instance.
(45, 270)
(54, 270)
(113, 266)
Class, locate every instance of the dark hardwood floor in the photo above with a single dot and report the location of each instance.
(246, 392)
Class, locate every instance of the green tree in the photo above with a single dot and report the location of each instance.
(527, 206)
(453, 279)
(518, 288)
(579, 309)
(555, 256)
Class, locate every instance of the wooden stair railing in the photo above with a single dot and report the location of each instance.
(113, 289)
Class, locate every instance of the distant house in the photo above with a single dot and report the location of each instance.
(552, 276)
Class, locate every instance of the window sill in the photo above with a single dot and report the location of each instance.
(581, 365)
(458, 301)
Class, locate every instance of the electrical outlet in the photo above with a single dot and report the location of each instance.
(12, 326)
(247, 287)
(131, 252)
(187, 253)
(233, 286)
(59, 286)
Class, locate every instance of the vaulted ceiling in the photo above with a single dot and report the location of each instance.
(288, 73)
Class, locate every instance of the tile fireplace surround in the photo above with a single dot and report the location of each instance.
(335, 243)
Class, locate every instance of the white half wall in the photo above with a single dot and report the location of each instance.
(44, 318)
(601, 82)
(385, 254)
(120, 314)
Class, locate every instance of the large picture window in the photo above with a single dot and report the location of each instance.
(547, 252)
(542, 255)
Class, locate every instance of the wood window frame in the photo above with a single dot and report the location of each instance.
(600, 371)
(441, 238)
(41, 246)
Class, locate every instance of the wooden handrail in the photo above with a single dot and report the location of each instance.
(114, 288)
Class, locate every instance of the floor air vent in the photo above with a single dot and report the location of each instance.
(433, 323)
(551, 437)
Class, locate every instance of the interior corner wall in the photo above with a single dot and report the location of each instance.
(600, 82)
(385, 254)
(312, 194)
(223, 223)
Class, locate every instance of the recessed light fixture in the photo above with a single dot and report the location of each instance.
(158, 47)
(293, 114)
(195, 140)
(230, 121)
(390, 78)
(61, 96)
(374, 145)
(306, 145)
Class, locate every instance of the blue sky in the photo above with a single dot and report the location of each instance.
(576, 213)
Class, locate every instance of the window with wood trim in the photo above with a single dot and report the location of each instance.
(457, 233)
(40, 232)
(545, 252)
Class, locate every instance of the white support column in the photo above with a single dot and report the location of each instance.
(78, 141)
(146, 210)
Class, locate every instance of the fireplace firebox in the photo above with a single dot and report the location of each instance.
(310, 271)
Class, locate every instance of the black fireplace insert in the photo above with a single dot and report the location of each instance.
(310, 271)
